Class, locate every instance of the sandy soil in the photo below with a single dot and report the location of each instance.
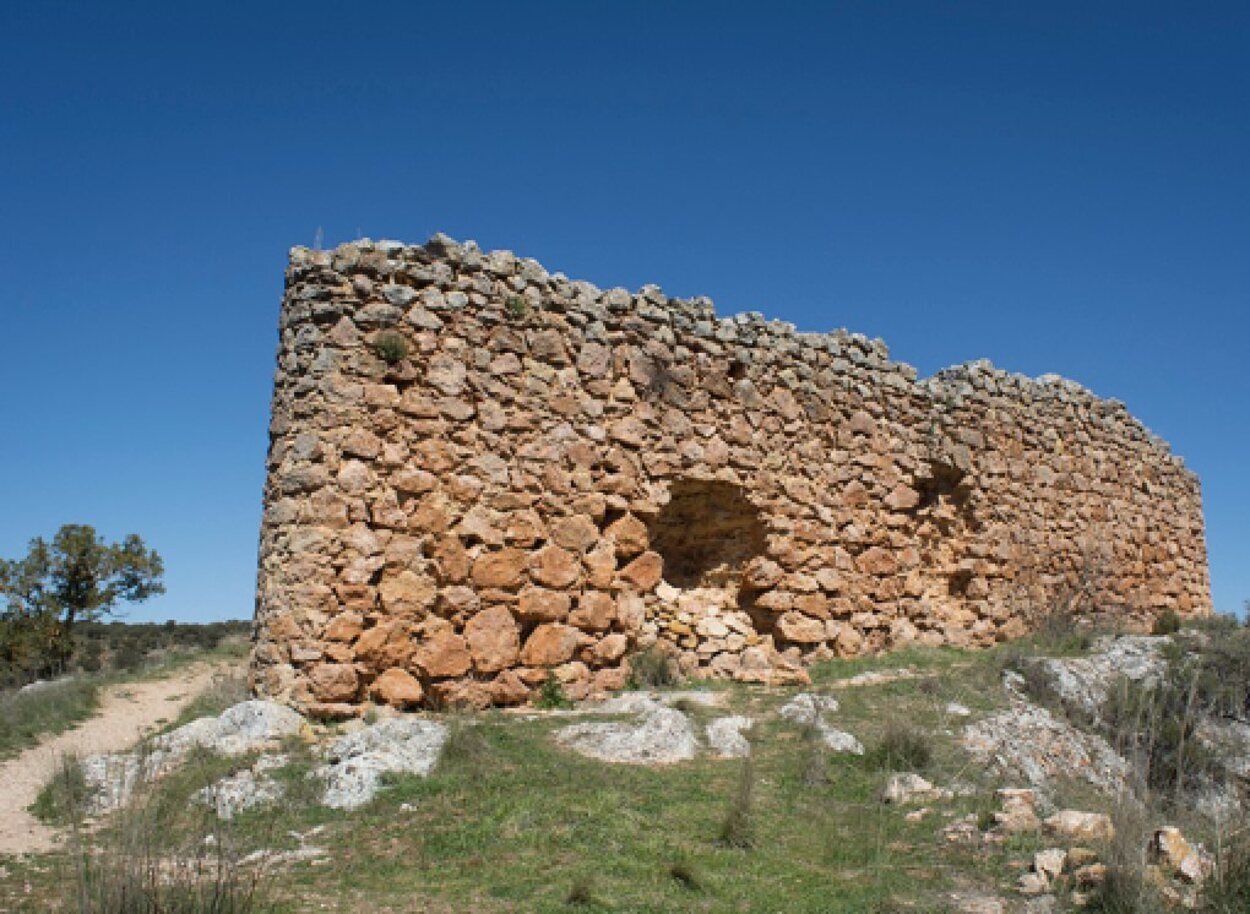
(126, 712)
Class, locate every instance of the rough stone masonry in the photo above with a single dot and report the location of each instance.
(482, 474)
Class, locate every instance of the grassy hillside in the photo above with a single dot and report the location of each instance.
(511, 821)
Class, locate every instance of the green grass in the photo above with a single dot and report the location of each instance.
(510, 821)
(226, 691)
(25, 717)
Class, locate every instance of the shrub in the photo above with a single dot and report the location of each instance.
(652, 668)
(225, 691)
(685, 876)
(466, 748)
(63, 797)
(815, 757)
(516, 308)
(390, 347)
(738, 827)
(1063, 632)
(551, 695)
(581, 895)
(139, 863)
(1166, 623)
(902, 748)
(48, 708)
(1126, 887)
(1228, 890)
(1155, 722)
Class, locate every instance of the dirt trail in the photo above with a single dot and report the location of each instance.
(126, 712)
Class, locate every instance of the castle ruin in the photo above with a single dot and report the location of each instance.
(482, 474)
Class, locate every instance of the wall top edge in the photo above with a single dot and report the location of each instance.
(949, 386)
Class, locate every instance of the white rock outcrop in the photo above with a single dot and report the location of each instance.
(354, 764)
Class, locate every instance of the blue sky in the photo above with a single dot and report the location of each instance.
(1058, 187)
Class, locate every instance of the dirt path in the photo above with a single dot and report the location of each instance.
(126, 712)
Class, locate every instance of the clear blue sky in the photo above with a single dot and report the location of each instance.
(1058, 187)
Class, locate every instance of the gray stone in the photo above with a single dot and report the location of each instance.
(1083, 683)
(398, 295)
(725, 739)
(355, 763)
(839, 740)
(250, 726)
(244, 789)
(1027, 740)
(659, 735)
(808, 707)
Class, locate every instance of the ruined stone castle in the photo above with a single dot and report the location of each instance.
(482, 474)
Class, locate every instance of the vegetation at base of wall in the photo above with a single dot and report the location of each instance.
(1166, 623)
(652, 668)
(509, 820)
(551, 695)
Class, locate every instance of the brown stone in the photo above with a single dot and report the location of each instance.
(451, 559)
(333, 682)
(576, 533)
(493, 638)
(443, 654)
(761, 574)
(644, 572)
(600, 565)
(629, 534)
(902, 498)
(611, 647)
(595, 611)
(509, 689)
(552, 566)
(407, 593)
(386, 645)
(398, 688)
(803, 629)
(504, 568)
(540, 605)
(462, 694)
(550, 644)
(609, 679)
(345, 627)
(876, 561)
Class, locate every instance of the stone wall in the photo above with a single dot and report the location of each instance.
(481, 474)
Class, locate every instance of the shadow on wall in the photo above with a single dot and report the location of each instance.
(706, 534)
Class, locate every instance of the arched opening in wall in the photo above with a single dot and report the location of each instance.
(944, 518)
(706, 533)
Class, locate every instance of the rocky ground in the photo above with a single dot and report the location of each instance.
(931, 780)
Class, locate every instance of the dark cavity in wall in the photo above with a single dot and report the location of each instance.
(706, 533)
(944, 484)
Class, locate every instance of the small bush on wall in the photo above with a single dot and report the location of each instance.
(390, 347)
